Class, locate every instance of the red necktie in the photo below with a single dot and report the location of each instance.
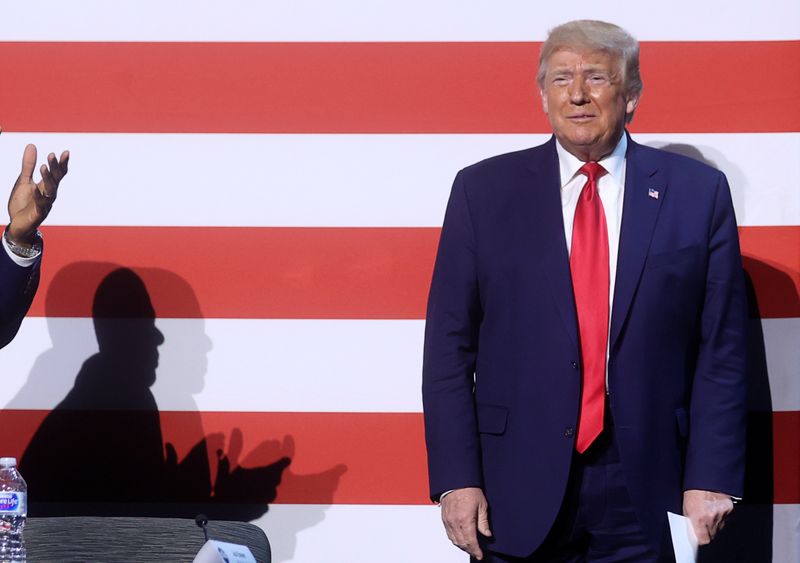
(589, 267)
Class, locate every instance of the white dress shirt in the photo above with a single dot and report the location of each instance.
(611, 188)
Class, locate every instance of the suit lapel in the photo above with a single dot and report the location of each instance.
(645, 188)
(549, 234)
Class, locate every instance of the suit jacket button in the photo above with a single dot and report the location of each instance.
(574, 365)
(568, 432)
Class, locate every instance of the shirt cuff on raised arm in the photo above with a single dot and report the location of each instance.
(20, 260)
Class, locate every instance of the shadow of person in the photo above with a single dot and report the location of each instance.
(239, 481)
(295, 489)
(748, 533)
(107, 448)
(72, 336)
(100, 451)
(237, 486)
(740, 184)
(102, 443)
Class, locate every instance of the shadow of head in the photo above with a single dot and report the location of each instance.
(124, 321)
(687, 150)
(123, 304)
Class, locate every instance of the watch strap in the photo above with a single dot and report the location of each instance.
(23, 251)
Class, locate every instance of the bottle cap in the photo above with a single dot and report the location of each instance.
(8, 462)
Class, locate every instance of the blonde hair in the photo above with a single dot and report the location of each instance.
(594, 35)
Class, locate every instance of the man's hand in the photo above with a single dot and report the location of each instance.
(707, 511)
(30, 202)
(464, 513)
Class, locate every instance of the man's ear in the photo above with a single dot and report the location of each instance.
(544, 101)
(632, 103)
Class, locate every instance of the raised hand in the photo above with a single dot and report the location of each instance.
(30, 202)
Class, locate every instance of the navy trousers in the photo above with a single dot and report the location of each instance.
(597, 522)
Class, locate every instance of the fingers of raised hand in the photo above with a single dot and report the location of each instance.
(52, 174)
(28, 163)
(46, 191)
(58, 168)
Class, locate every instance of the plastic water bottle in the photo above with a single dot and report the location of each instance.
(13, 511)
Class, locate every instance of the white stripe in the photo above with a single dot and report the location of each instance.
(781, 338)
(313, 533)
(361, 534)
(236, 365)
(341, 180)
(410, 20)
(786, 533)
(285, 365)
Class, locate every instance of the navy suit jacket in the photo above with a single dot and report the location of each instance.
(17, 288)
(501, 375)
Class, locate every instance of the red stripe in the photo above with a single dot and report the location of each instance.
(348, 458)
(786, 432)
(378, 458)
(246, 272)
(302, 273)
(374, 87)
(771, 258)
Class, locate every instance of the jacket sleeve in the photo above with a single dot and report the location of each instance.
(451, 343)
(18, 286)
(716, 447)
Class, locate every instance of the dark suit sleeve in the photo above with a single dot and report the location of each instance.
(715, 454)
(451, 340)
(17, 287)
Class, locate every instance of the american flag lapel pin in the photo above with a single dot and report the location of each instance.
(652, 193)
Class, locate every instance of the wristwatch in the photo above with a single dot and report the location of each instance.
(23, 251)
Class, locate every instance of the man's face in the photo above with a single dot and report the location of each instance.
(584, 97)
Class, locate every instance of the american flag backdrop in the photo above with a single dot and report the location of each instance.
(277, 172)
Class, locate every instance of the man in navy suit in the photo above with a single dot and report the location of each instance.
(584, 346)
(28, 206)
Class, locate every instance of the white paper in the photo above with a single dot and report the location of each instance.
(223, 552)
(684, 541)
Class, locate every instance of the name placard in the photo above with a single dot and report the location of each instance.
(222, 552)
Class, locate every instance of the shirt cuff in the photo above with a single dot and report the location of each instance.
(19, 260)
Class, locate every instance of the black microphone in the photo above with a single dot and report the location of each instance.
(202, 520)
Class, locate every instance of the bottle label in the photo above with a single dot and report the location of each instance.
(13, 503)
